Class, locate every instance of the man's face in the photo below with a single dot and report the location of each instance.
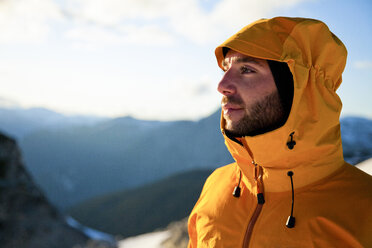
(250, 103)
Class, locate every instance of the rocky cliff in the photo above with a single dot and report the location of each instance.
(26, 217)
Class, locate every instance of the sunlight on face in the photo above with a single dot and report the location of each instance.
(250, 101)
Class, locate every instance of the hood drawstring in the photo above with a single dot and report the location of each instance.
(260, 197)
(291, 220)
(236, 192)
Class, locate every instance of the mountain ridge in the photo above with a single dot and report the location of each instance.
(75, 163)
(145, 208)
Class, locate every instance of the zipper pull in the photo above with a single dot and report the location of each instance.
(260, 198)
(258, 179)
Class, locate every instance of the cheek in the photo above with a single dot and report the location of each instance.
(255, 90)
(266, 85)
(258, 84)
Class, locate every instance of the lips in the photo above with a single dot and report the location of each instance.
(230, 108)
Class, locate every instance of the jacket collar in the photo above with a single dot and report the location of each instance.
(272, 154)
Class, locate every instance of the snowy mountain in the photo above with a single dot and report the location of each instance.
(75, 164)
(90, 232)
(174, 236)
(366, 166)
(18, 122)
(76, 158)
(148, 240)
(356, 136)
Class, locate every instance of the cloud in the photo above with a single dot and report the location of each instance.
(363, 65)
(8, 103)
(131, 21)
(186, 18)
(203, 87)
(27, 21)
(92, 35)
(190, 98)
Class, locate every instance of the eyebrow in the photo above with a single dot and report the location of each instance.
(242, 60)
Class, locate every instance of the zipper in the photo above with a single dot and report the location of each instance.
(258, 209)
(248, 232)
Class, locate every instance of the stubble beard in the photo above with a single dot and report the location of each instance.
(263, 116)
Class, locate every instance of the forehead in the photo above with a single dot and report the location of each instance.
(236, 57)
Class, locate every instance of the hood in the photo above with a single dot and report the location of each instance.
(316, 59)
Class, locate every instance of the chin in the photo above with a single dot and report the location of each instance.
(229, 125)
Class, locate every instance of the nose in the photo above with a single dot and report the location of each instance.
(226, 86)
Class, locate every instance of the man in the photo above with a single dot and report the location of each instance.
(289, 186)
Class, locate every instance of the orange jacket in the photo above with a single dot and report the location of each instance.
(332, 199)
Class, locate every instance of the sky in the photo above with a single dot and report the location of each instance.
(153, 59)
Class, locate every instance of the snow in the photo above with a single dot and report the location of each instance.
(91, 233)
(148, 240)
(366, 166)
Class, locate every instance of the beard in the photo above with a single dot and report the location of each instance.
(263, 116)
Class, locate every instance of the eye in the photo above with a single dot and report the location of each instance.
(245, 69)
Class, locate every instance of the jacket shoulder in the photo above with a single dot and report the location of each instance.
(220, 184)
(357, 177)
(223, 175)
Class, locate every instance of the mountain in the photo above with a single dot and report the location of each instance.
(175, 235)
(75, 164)
(27, 218)
(366, 166)
(143, 209)
(356, 135)
(18, 122)
(147, 240)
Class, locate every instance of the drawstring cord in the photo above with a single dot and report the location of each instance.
(261, 200)
(236, 192)
(291, 220)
